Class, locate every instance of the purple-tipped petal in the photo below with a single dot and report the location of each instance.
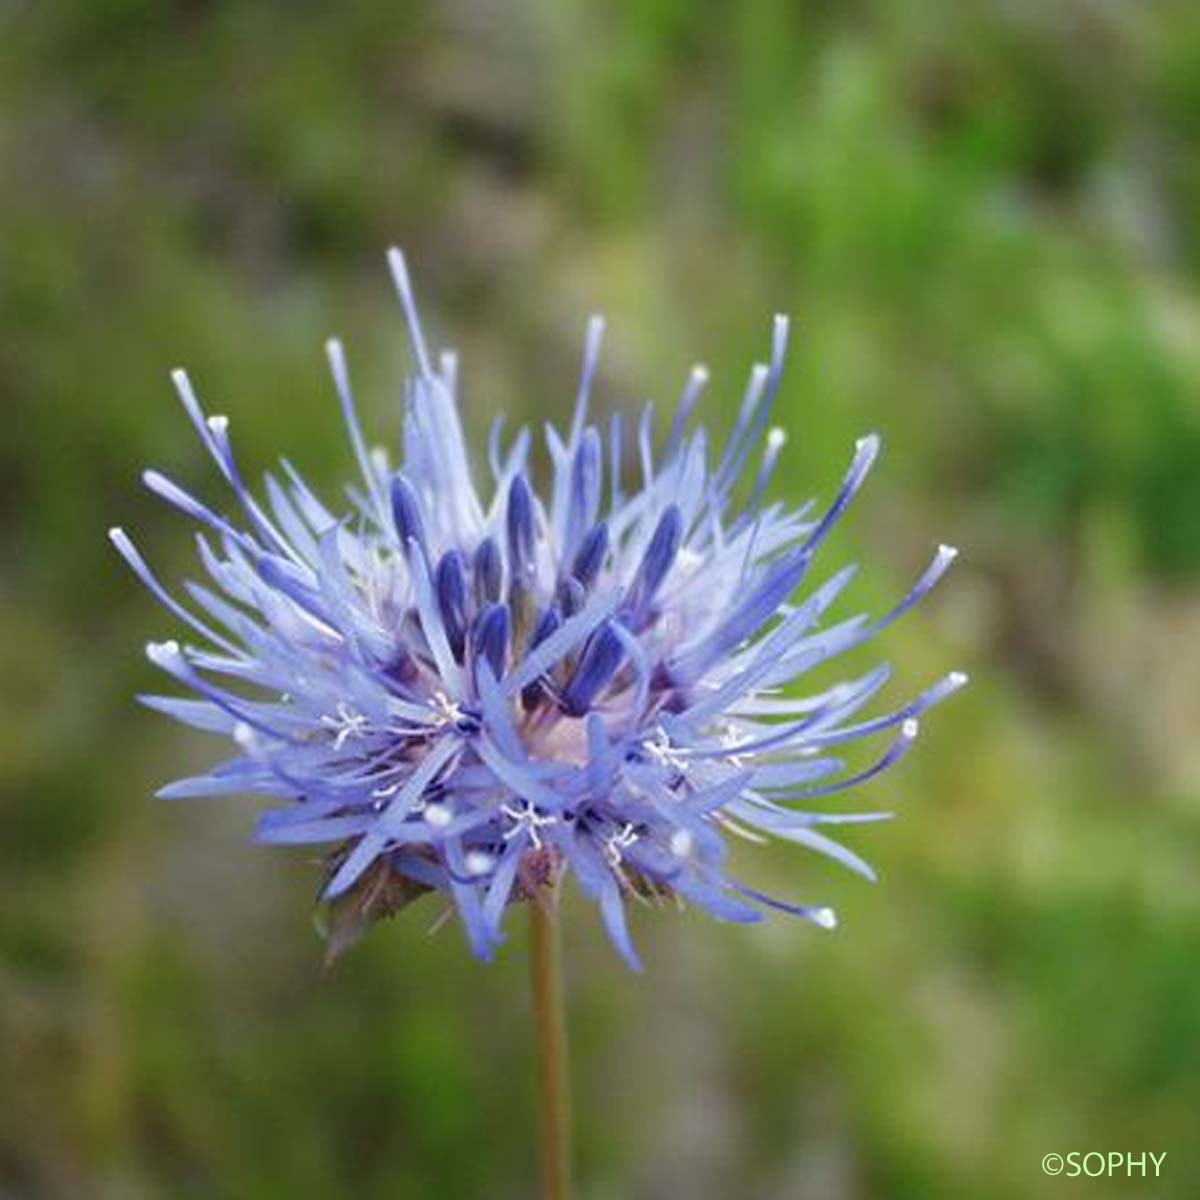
(601, 657)
(406, 514)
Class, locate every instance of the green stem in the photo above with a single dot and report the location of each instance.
(550, 1025)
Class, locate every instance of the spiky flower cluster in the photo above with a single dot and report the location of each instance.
(473, 697)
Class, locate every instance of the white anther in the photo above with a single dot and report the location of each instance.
(526, 819)
(776, 438)
(946, 553)
(909, 728)
(958, 679)
(218, 424)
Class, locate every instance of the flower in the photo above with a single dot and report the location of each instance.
(473, 696)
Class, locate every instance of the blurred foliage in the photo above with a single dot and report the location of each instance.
(985, 218)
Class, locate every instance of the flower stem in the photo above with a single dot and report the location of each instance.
(550, 1025)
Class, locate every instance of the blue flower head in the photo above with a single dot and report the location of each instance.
(474, 695)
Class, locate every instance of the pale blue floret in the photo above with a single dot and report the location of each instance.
(474, 695)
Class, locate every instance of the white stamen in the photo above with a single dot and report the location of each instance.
(618, 842)
(776, 438)
(446, 710)
(660, 749)
(347, 723)
(527, 819)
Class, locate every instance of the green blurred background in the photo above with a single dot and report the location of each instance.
(986, 219)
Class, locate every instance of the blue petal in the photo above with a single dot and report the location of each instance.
(818, 914)
(199, 714)
(591, 355)
(501, 884)
(612, 910)
(496, 715)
